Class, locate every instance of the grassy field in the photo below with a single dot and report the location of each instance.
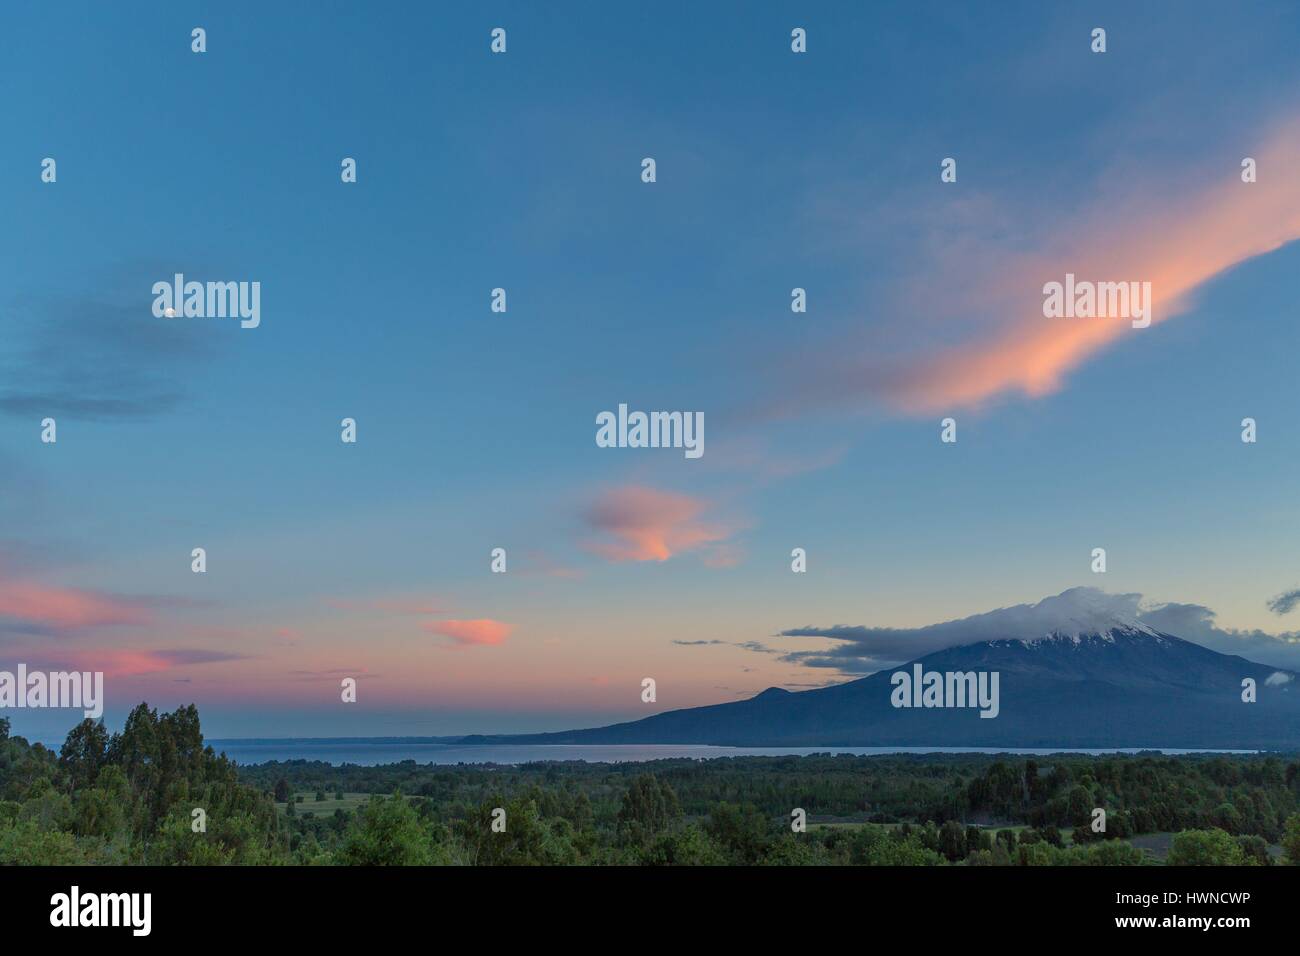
(1158, 844)
(326, 807)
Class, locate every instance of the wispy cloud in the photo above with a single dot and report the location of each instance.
(1178, 239)
(40, 608)
(1285, 602)
(126, 662)
(99, 356)
(1196, 622)
(479, 631)
(644, 524)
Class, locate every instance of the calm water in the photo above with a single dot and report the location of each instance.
(371, 752)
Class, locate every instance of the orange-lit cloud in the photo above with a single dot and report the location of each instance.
(650, 525)
(1176, 237)
(480, 631)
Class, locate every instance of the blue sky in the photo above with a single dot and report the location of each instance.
(522, 171)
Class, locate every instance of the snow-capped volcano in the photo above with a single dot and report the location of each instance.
(1076, 670)
(1073, 614)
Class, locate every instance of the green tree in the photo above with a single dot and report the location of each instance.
(526, 840)
(688, 846)
(1108, 853)
(83, 752)
(386, 832)
(1211, 847)
(742, 831)
(104, 810)
(953, 840)
(875, 846)
(26, 843)
(792, 849)
(1291, 837)
(1040, 853)
(648, 807)
(1255, 850)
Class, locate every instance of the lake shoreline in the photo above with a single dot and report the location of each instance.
(361, 751)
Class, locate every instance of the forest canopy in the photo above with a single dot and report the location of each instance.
(155, 794)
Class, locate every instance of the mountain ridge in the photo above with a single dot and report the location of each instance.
(1124, 685)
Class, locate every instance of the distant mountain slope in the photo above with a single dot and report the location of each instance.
(1121, 684)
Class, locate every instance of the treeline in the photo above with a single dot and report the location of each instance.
(130, 798)
(1244, 795)
(873, 810)
(155, 794)
(1142, 793)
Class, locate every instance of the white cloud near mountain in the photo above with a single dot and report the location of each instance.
(860, 649)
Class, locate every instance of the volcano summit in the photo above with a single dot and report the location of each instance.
(1074, 675)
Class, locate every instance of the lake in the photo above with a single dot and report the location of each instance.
(369, 753)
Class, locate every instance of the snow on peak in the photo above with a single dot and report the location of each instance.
(1080, 611)
(1073, 614)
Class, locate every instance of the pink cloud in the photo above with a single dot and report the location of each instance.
(1177, 248)
(69, 608)
(1175, 236)
(479, 631)
(650, 525)
(151, 661)
(127, 662)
